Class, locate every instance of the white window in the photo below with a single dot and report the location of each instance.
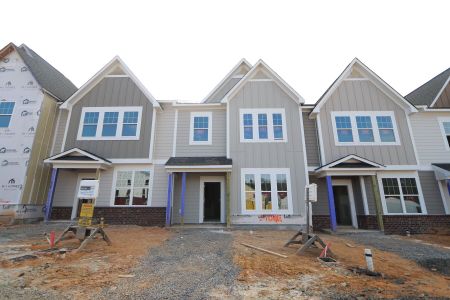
(110, 123)
(263, 125)
(132, 188)
(401, 195)
(266, 191)
(445, 130)
(6, 110)
(365, 128)
(200, 133)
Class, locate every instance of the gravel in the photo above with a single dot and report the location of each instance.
(188, 266)
(428, 256)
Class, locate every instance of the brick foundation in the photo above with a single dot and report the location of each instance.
(367, 222)
(321, 222)
(143, 216)
(415, 224)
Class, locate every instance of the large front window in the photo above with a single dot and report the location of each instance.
(401, 195)
(266, 191)
(132, 188)
(262, 125)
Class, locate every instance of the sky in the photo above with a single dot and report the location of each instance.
(181, 49)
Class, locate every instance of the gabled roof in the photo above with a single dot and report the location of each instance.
(429, 92)
(263, 68)
(228, 82)
(49, 78)
(77, 154)
(351, 161)
(361, 69)
(115, 67)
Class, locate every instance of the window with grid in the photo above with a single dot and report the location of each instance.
(266, 192)
(282, 191)
(365, 131)
(386, 128)
(248, 126)
(132, 188)
(90, 124)
(344, 129)
(277, 121)
(6, 110)
(446, 131)
(250, 196)
(262, 126)
(401, 195)
(130, 123)
(110, 123)
(201, 125)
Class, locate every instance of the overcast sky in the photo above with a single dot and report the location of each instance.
(182, 49)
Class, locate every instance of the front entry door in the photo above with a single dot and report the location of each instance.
(212, 203)
(342, 205)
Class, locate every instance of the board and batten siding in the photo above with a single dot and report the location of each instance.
(259, 95)
(164, 130)
(365, 96)
(60, 128)
(65, 188)
(431, 193)
(311, 141)
(113, 92)
(444, 98)
(160, 182)
(105, 188)
(218, 134)
(430, 143)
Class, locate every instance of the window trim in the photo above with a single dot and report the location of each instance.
(101, 110)
(12, 114)
(270, 127)
(130, 168)
(207, 114)
(375, 129)
(273, 172)
(399, 175)
(444, 135)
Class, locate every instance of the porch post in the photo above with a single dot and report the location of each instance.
(183, 193)
(378, 209)
(227, 199)
(331, 204)
(169, 200)
(51, 194)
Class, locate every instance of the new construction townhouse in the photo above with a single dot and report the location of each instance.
(245, 153)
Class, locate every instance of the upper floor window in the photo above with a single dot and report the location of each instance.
(200, 133)
(262, 125)
(365, 128)
(110, 123)
(445, 129)
(6, 110)
(401, 195)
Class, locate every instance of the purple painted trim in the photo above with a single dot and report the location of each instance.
(183, 193)
(169, 199)
(51, 194)
(331, 204)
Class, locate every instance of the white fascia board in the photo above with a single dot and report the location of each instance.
(71, 151)
(212, 168)
(199, 105)
(352, 156)
(440, 92)
(280, 82)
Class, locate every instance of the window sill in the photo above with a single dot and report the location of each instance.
(192, 143)
(259, 213)
(263, 141)
(131, 138)
(341, 144)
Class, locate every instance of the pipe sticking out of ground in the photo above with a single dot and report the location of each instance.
(369, 260)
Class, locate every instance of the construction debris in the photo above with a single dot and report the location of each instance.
(126, 276)
(264, 250)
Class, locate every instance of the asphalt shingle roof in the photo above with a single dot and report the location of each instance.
(427, 92)
(199, 161)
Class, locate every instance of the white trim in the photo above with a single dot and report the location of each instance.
(227, 77)
(441, 121)
(159, 161)
(204, 179)
(175, 132)
(261, 79)
(352, 156)
(199, 105)
(321, 147)
(228, 130)
(97, 159)
(91, 83)
(270, 127)
(66, 130)
(102, 110)
(351, 199)
(398, 175)
(131, 160)
(444, 195)
(416, 153)
(440, 92)
(364, 195)
(375, 129)
(355, 79)
(133, 168)
(374, 78)
(152, 136)
(305, 160)
(258, 204)
(207, 114)
(117, 76)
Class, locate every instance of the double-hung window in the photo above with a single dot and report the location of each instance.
(132, 187)
(6, 110)
(110, 123)
(445, 129)
(401, 195)
(365, 128)
(266, 191)
(201, 124)
(263, 125)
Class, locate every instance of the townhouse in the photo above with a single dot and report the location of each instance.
(30, 90)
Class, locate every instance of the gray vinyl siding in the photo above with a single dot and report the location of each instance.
(431, 193)
(266, 94)
(105, 188)
(218, 95)
(357, 196)
(365, 96)
(311, 141)
(218, 134)
(65, 188)
(59, 130)
(113, 92)
(192, 200)
(444, 98)
(370, 195)
(321, 206)
(164, 130)
(430, 143)
(160, 181)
